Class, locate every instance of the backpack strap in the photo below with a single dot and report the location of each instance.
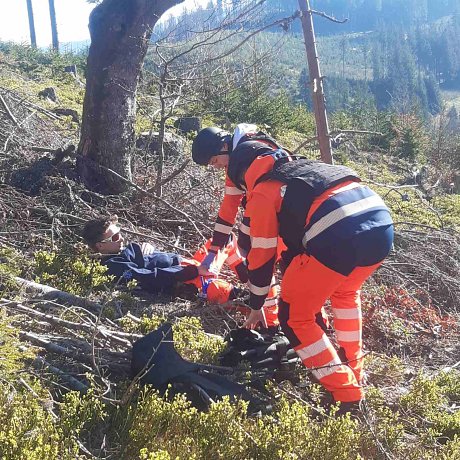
(283, 157)
(261, 136)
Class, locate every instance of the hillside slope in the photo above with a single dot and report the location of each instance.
(49, 346)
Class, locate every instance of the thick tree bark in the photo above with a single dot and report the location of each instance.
(120, 34)
(54, 33)
(30, 12)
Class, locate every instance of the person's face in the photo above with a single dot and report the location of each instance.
(220, 161)
(111, 241)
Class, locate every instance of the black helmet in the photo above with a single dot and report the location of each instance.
(208, 143)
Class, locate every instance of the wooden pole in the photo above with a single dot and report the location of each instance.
(30, 12)
(54, 32)
(316, 82)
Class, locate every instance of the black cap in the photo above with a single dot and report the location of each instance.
(208, 143)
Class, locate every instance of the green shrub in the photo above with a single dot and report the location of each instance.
(428, 401)
(30, 427)
(37, 62)
(11, 264)
(190, 340)
(193, 343)
(80, 412)
(225, 432)
(424, 398)
(77, 273)
(26, 428)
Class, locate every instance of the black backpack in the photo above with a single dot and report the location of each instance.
(262, 137)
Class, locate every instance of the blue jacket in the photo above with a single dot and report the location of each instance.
(155, 272)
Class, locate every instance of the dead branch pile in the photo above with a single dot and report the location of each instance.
(426, 260)
(24, 125)
(71, 341)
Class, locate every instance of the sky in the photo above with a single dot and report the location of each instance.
(72, 20)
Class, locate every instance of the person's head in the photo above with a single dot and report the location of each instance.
(212, 147)
(103, 235)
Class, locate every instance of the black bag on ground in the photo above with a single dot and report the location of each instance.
(261, 350)
(156, 362)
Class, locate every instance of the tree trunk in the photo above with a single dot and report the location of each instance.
(30, 11)
(120, 33)
(54, 33)
(316, 83)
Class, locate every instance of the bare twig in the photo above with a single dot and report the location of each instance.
(8, 111)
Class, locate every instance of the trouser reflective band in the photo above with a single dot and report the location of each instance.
(346, 311)
(305, 287)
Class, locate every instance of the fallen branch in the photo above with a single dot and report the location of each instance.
(330, 18)
(173, 174)
(152, 195)
(304, 143)
(49, 292)
(118, 336)
(8, 111)
(73, 384)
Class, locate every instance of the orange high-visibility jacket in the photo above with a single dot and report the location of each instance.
(232, 197)
(264, 201)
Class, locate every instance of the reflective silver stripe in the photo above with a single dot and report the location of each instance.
(335, 365)
(147, 249)
(347, 313)
(243, 228)
(258, 290)
(233, 191)
(347, 187)
(348, 336)
(271, 302)
(263, 243)
(339, 214)
(315, 348)
(222, 228)
(233, 258)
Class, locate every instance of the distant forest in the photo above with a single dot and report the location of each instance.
(365, 15)
(408, 49)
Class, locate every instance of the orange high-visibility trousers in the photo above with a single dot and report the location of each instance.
(305, 287)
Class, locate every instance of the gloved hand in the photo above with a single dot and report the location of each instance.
(254, 318)
(205, 268)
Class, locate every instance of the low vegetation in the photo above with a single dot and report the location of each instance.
(411, 323)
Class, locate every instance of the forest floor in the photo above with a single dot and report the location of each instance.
(51, 343)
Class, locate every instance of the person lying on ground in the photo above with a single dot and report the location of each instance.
(155, 271)
(158, 271)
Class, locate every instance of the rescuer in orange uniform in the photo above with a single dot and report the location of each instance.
(337, 232)
(213, 146)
